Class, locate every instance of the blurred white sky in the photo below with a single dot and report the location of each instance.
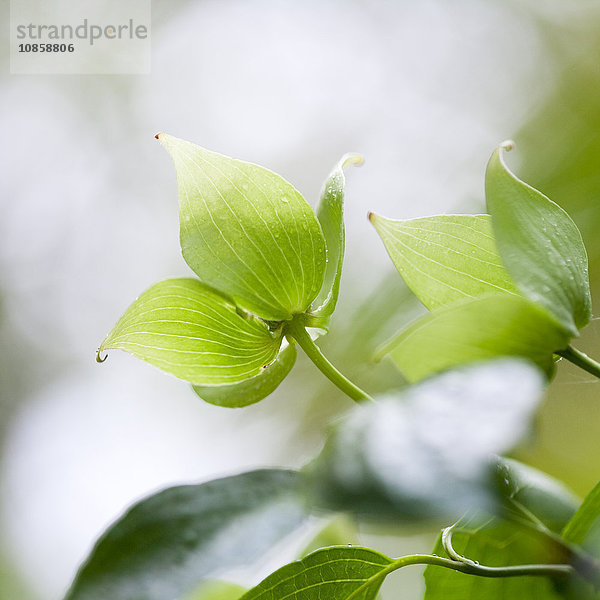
(89, 220)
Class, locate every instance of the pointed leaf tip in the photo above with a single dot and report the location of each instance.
(247, 232)
(330, 214)
(540, 245)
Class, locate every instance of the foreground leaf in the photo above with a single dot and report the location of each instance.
(335, 573)
(445, 258)
(540, 245)
(477, 329)
(250, 391)
(190, 331)
(247, 232)
(427, 451)
(331, 217)
(493, 543)
(165, 545)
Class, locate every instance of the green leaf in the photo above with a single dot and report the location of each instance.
(476, 329)
(217, 590)
(584, 528)
(493, 543)
(194, 333)
(540, 245)
(247, 232)
(527, 491)
(250, 391)
(445, 258)
(427, 450)
(335, 573)
(331, 217)
(166, 544)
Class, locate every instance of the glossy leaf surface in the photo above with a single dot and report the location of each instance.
(477, 329)
(427, 450)
(335, 573)
(166, 544)
(445, 258)
(247, 232)
(190, 331)
(540, 245)
(331, 217)
(250, 391)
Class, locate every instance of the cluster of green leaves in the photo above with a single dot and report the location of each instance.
(514, 282)
(263, 259)
(507, 291)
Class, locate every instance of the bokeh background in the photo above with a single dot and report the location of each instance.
(88, 220)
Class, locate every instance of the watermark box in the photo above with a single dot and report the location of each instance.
(80, 37)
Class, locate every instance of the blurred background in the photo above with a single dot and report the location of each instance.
(88, 220)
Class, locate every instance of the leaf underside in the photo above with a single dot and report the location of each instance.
(250, 391)
(445, 258)
(477, 329)
(247, 232)
(194, 333)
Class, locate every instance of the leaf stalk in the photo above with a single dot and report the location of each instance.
(296, 330)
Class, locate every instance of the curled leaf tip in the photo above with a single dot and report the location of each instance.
(99, 359)
(507, 145)
(371, 216)
(351, 159)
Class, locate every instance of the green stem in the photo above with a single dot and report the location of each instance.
(470, 568)
(581, 360)
(297, 331)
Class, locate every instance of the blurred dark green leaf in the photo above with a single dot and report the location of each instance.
(426, 452)
(528, 491)
(166, 544)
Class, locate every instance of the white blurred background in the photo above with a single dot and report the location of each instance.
(88, 220)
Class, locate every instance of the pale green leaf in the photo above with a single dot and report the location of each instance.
(331, 217)
(247, 232)
(493, 543)
(330, 573)
(531, 494)
(194, 333)
(445, 258)
(216, 590)
(250, 391)
(426, 451)
(165, 545)
(477, 329)
(540, 245)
